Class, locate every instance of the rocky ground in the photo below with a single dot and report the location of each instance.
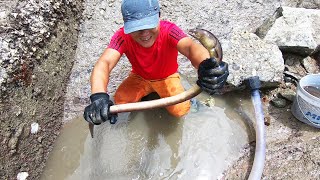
(38, 49)
(292, 147)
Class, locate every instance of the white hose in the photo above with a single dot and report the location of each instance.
(163, 102)
(260, 151)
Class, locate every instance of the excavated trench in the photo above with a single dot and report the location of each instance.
(152, 144)
(43, 39)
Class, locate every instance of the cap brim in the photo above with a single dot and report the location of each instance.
(145, 23)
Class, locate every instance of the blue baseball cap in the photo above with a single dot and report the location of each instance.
(140, 14)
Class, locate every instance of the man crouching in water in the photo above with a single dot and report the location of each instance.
(152, 47)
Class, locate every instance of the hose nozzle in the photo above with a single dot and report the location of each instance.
(254, 82)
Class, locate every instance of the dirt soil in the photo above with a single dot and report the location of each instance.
(39, 99)
(293, 148)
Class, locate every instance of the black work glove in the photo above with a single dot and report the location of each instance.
(99, 109)
(211, 75)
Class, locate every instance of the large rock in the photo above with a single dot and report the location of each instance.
(294, 30)
(248, 55)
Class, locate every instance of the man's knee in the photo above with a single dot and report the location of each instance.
(118, 98)
(123, 95)
(180, 109)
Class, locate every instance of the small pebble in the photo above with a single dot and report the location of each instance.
(22, 176)
(34, 128)
(279, 102)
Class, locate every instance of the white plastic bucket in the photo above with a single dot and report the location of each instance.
(306, 107)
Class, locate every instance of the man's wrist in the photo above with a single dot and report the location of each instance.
(99, 95)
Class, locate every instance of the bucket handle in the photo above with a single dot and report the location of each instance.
(315, 124)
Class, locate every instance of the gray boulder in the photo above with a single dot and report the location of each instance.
(294, 30)
(248, 56)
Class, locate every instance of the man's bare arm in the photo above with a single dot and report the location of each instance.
(195, 52)
(102, 69)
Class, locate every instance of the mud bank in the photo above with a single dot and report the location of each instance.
(33, 85)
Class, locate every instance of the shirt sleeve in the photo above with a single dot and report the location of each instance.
(175, 34)
(117, 41)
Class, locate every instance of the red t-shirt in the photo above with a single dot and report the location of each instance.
(156, 62)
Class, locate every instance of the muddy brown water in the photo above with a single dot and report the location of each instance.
(154, 145)
(313, 90)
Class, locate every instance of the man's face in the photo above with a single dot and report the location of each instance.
(146, 37)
